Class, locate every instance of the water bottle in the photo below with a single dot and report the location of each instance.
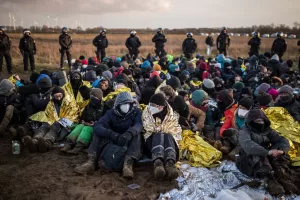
(16, 147)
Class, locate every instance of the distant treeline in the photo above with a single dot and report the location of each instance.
(263, 29)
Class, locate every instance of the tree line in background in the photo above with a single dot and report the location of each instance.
(263, 29)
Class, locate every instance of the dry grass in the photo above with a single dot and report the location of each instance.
(47, 46)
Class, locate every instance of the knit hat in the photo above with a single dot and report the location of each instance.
(238, 86)
(123, 98)
(264, 87)
(155, 73)
(203, 66)
(122, 78)
(44, 82)
(5, 87)
(174, 82)
(174, 68)
(277, 79)
(275, 57)
(264, 99)
(180, 106)
(157, 67)
(58, 89)
(209, 84)
(246, 102)
(273, 93)
(183, 93)
(198, 97)
(146, 64)
(107, 74)
(34, 76)
(246, 91)
(96, 92)
(118, 59)
(158, 99)
(103, 67)
(75, 75)
(286, 89)
(85, 92)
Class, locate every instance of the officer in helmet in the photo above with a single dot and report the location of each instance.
(160, 39)
(101, 43)
(28, 50)
(279, 46)
(189, 46)
(254, 44)
(65, 42)
(133, 44)
(5, 44)
(223, 42)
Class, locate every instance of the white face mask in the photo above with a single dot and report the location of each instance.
(242, 113)
(125, 108)
(153, 110)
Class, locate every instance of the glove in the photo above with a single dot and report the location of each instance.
(230, 132)
(124, 139)
(114, 136)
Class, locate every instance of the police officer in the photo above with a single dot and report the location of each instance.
(209, 41)
(298, 44)
(28, 50)
(160, 39)
(101, 43)
(133, 44)
(279, 45)
(65, 42)
(254, 44)
(223, 42)
(5, 44)
(189, 46)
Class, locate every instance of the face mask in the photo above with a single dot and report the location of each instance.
(125, 108)
(242, 113)
(228, 68)
(75, 82)
(259, 127)
(58, 102)
(153, 110)
(95, 101)
(286, 98)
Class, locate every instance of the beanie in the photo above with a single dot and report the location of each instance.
(209, 84)
(158, 99)
(155, 73)
(157, 67)
(173, 68)
(58, 89)
(118, 59)
(238, 86)
(183, 93)
(264, 87)
(198, 97)
(174, 82)
(44, 82)
(34, 76)
(123, 98)
(107, 75)
(203, 66)
(246, 102)
(96, 92)
(264, 99)
(146, 64)
(273, 93)
(286, 89)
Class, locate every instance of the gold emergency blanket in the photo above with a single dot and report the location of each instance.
(12, 79)
(286, 126)
(197, 151)
(69, 109)
(112, 95)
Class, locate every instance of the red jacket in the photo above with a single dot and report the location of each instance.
(229, 119)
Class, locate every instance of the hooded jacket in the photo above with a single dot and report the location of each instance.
(275, 65)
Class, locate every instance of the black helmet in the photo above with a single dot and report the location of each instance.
(160, 30)
(133, 32)
(102, 31)
(255, 34)
(224, 29)
(189, 34)
(2, 28)
(26, 31)
(64, 30)
(279, 34)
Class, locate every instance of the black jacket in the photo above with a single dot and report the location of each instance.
(37, 102)
(276, 67)
(92, 113)
(5, 42)
(223, 41)
(159, 40)
(189, 45)
(279, 46)
(100, 42)
(292, 106)
(254, 43)
(133, 42)
(27, 44)
(209, 41)
(65, 41)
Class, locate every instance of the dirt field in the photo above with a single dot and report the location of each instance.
(50, 176)
(47, 46)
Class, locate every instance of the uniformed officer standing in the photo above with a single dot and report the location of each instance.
(133, 44)
(28, 50)
(101, 43)
(65, 42)
(160, 39)
(189, 46)
(223, 42)
(254, 44)
(279, 46)
(5, 44)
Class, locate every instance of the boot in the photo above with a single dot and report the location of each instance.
(30, 143)
(289, 186)
(44, 145)
(172, 172)
(88, 167)
(66, 148)
(231, 155)
(78, 148)
(159, 170)
(13, 132)
(217, 144)
(274, 188)
(226, 147)
(127, 168)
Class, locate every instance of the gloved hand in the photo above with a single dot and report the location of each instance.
(124, 139)
(114, 136)
(230, 132)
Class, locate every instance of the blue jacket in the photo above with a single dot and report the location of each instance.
(111, 121)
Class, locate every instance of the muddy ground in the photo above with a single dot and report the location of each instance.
(37, 176)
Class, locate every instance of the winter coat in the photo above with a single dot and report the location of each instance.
(223, 41)
(279, 46)
(65, 41)
(227, 74)
(292, 106)
(159, 40)
(229, 122)
(209, 41)
(254, 146)
(37, 102)
(100, 42)
(27, 90)
(198, 114)
(189, 45)
(275, 66)
(92, 113)
(254, 44)
(133, 43)
(170, 124)
(5, 43)
(27, 44)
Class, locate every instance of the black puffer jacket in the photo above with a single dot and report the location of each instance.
(254, 44)
(159, 40)
(254, 146)
(275, 66)
(279, 46)
(189, 45)
(133, 42)
(92, 113)
(37, 102)
(292, 106)
(100, 42)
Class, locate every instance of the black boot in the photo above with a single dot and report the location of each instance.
(30, 143)
(127, 168)
(274, 188)
(88, 167)
(78, 148)
(172, 172)
(159, 170)
(44, 145)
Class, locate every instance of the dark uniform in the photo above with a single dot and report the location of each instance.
(189, 46)
(133, 43)
(254, 44)
(160, 39)
(299, 55)
(279, 47)
(223, 43)
(101, 43)
(65, 42)
(5, 44)
(28, 49)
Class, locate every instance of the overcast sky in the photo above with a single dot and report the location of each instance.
(151, 13)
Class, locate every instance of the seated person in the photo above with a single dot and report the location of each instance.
(163, 131)
(263, 154)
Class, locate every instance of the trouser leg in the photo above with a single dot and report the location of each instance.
(25, 60)
(32, 63)
(69, 58)
(8, 62)
(135, 147)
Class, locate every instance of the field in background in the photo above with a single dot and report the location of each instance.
(48, 47)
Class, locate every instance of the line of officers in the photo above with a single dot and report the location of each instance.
(28, 48)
